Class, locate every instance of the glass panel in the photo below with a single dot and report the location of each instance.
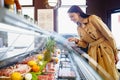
(15, 41)
(3, 39)
(21, 41)
(17, 44)
(20, 44)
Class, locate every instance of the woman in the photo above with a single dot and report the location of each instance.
(95, 35)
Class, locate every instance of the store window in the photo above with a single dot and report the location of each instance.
(27, 8)
(26, 2)
(28, 11)
(115, 27)
(65, 25)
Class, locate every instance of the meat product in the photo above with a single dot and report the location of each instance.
(26, 60)
(22, 68)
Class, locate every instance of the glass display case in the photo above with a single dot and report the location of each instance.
(74, 61)
(18, 36)
(20, 39)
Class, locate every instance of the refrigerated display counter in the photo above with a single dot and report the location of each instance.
(21, 39)
(74, 61)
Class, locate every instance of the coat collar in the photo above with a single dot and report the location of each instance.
(85, 21)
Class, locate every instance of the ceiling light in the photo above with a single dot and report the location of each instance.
(52, 3)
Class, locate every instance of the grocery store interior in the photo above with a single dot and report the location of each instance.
(34, 39)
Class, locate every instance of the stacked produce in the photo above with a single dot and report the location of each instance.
(49, 49)
(32, 65)
(21, 68)
(35, 67)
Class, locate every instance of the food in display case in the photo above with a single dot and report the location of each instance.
(66, 70)
(65, 64)
(66, 73)
(22, 68)
(37, 67)
(49, 49)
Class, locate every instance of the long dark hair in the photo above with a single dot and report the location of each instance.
(77, 9)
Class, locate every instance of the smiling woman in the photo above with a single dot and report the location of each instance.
(95, 35)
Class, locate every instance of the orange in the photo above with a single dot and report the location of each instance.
(56, 60)
(16, 76)
(40, 57)
(35, 68)
(32, 63)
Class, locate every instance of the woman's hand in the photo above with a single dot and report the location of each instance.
(116, 59)
(72, 39)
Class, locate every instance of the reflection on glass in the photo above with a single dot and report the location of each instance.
(3, 39)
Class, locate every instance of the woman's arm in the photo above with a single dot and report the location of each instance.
(78, 42)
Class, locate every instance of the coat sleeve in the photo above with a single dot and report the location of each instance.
(82, 43)
(99, 24)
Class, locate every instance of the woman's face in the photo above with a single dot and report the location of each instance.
(74, 17)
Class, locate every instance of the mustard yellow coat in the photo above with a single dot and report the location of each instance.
(101, 45)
